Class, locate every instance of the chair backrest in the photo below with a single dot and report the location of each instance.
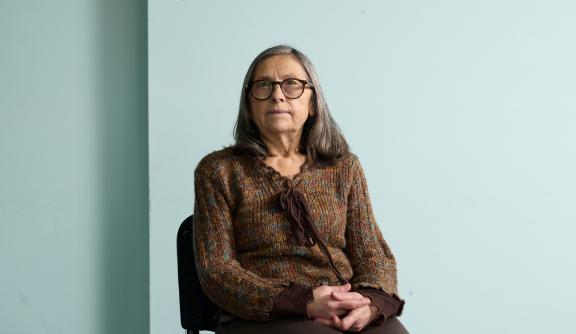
(197, 312)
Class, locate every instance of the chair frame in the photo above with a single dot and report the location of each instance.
(197, 311)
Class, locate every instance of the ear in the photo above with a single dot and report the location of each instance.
(312, 110)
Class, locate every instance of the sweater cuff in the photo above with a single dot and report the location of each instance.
(387, 305)
(293, 299)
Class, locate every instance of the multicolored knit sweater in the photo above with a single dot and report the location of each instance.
(246, 247)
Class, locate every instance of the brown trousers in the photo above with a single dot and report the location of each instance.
(296, 325)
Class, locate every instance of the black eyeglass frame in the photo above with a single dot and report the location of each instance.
(305, 84)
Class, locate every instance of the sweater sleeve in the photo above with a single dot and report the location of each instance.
(230, 286)
(387, 305)
(373, 263)
(293, 300)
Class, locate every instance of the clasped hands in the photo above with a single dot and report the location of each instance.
(338, 307)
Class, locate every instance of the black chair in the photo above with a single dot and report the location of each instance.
(197, 312)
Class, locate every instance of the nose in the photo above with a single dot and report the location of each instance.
(277, 93)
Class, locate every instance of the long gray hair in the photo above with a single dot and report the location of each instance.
(322, 140)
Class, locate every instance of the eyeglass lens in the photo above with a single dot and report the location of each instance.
(291, 88)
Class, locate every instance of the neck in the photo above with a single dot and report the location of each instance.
(283, 145)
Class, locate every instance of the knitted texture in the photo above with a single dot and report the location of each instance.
(244, 243)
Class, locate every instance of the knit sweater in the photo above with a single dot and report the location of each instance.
(245, 243)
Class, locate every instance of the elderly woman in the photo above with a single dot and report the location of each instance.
(284, 234)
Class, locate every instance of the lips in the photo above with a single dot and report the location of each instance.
(277, 112)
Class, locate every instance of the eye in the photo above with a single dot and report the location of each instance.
(263, 84)
(292, 82)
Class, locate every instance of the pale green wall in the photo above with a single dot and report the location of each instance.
(462, 113)
(73, 167)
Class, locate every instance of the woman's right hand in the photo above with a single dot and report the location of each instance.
(326, 306)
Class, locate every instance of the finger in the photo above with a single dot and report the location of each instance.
(354, 328)
(352, 318)
(339, 295)
(324, 321)
(362, 321)
(350, 304)
(327, 310)
(337, 322)
(358, 325)
(344, 288)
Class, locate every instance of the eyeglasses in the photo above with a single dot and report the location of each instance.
(291, 88)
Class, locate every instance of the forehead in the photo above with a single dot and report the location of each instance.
(279, 67)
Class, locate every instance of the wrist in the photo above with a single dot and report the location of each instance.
(309, 309)
(374, 312)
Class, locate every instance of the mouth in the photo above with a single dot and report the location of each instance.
(276, 112)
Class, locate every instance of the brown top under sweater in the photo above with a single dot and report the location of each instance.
(263, 241)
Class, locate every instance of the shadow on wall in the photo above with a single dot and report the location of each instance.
(123, 152)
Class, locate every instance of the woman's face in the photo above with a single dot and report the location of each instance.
(279, 114)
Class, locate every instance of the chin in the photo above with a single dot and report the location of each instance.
(280, 129)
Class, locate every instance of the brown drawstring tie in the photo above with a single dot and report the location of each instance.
(303, 229)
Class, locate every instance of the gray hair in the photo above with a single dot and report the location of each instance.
(322, 140)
